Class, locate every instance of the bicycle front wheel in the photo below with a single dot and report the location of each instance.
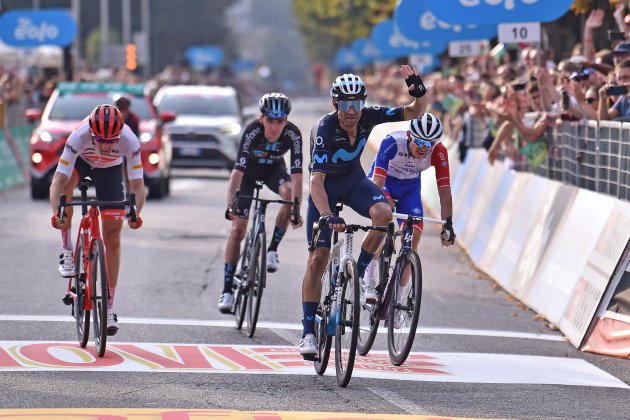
(348, 315)
(81, 316)
(257, 273)
(100, 294)
(324, 341)
(405, 308)
(369, 319)
(240, 298)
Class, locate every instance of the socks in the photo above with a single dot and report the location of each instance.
(228, 277)
(278, 233)
(66, 239)
(364, 260)
(308, 323)
(110, 300)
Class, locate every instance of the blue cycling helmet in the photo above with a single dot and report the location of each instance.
(275, 105)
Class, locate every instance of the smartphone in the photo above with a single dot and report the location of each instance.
(519, 86)
(565, 100)
(616, 35)
(617, 90)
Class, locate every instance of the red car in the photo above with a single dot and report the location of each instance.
(69, 104)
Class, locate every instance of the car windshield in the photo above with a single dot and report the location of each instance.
(199, 104)
(77, 106)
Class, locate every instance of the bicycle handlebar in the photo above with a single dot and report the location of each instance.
(350, 228)
(418, 219)
(130, 201)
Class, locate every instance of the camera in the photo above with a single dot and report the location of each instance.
(617, 90)
(565, 100)
(519, 86)
(616, 35)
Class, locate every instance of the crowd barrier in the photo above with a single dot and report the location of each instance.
(14, 148)
(555, 246)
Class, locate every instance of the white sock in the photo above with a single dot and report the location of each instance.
(66, 239)
(370, 270)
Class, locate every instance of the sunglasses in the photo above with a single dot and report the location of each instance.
(276, 115)
(102, 140)
(422, 143)
(591, 100)
(345, 106)
(580, 78)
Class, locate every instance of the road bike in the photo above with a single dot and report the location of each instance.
(251, 277)
(399, 292)
(88, 289)
(338, 312)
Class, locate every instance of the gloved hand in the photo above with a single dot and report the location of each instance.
(419, 90)
(334, 222)
(448, 234)
(136, 224)
(54, 220)
(228, 213)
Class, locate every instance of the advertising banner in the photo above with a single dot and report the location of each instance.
(32, 28)
(388, 39)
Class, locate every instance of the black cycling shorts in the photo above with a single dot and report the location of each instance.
(108, 182)
(272, 176)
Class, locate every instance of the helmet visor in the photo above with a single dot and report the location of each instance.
(345, 106)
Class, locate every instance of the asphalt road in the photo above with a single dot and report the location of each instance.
(479, 353)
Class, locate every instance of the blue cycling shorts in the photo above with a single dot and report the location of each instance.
(354, 190)
(407, 192)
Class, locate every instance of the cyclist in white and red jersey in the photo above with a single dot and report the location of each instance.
(402, 156)
(96, 149)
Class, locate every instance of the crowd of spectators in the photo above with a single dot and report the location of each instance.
(515, 95)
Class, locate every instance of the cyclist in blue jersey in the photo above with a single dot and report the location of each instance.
(401, 158)
(337, 141)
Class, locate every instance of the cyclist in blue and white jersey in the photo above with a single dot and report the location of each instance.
(401, 158)
(337, 141)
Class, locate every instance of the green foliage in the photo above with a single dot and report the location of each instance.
(329, 24)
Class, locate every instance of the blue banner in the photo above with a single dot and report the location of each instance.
(417, 23)
(488, 12)
(345, 59)
(204, 56)
(28, 28)
(392, 44)
(365, 51)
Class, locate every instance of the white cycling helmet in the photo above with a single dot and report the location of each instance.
(428, 127)
(348, 86)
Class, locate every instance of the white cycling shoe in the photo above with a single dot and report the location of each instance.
(369, 285)
(112, 322)
(272, 261)
(308, 345)
(226, 302)
(66, 263)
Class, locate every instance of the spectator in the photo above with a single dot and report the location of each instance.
(621, 107)
(123, 104)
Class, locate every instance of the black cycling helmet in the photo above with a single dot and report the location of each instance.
(274, 105)
(349, 87)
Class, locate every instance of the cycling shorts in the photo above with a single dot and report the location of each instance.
(272, 176)
(407, 194)
(108, 184)
(354, 190)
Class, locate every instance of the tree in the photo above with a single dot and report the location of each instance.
(328, 25)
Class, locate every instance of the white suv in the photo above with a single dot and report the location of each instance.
(206, 132)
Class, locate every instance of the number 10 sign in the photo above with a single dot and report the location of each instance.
(510, 33)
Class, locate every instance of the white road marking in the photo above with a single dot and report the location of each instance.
(229, 323)
(400, 402)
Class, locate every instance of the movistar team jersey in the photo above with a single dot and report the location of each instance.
(256, 151)
(331, 151)
(395, 161)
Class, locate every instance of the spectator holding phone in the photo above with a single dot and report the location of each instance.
(621, 107)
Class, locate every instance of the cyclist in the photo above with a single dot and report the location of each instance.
(123, 103)
(337, 141)
(401, 157)
(96, 149)
(261, 157)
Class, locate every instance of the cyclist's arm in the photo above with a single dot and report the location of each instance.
(296, 186)
(386, 152)
(235, 181)
(296, 164)
(59, 181)
(446, 202)
(65, 165)
(318, 193)
(136, 186)
(439, 160)
(417, 107)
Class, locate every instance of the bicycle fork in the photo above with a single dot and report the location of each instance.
(338, 281)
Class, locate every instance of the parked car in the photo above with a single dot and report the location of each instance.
(207, 130)
(69, 104)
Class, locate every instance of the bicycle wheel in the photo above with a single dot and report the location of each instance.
(257, 273)
(81, 316)
(324, 341)
(405, 308)
(369, 319)
(100, 294)
(348, 312)
(240, 300)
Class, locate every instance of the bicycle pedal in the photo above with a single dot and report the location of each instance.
(67, 299)
(310, 357)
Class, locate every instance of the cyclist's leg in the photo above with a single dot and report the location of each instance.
(279, 181)
(411, 203)
(66, 258)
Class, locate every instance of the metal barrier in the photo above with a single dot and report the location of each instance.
(587, 154)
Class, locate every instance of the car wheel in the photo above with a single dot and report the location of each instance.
(39, 189)
(167, 185)
(157, 188)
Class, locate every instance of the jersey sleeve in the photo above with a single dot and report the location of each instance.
(321, 148)
(245, 145)
(296, 149)
(439, 159)
(133, 155)
(72, 149)
(386, 152)
(392, 114)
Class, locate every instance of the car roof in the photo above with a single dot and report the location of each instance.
(135, 89)
(187, 89)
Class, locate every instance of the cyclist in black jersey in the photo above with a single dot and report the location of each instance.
(337, 142)
(261, 157)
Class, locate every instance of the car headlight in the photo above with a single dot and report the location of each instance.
(48, 137)
(231, 129)
(145, 137)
